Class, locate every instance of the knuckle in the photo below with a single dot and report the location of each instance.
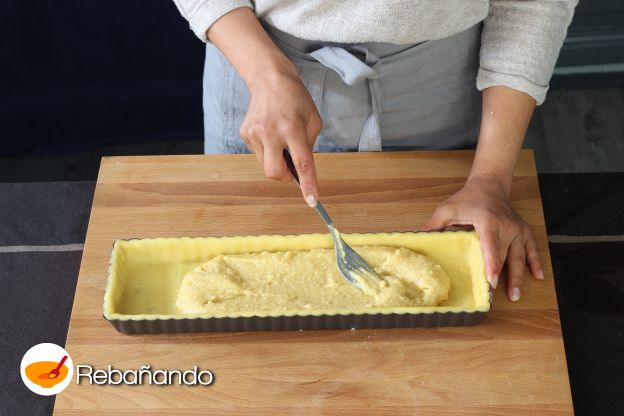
(244, 137)
(532, 255)
(316, 122)
(257, 132)
(517, 228)
(273, 172)
(289, 127)
(244, 127)
(517, 278)
(518, 258)
(252, 145)
(304, 166)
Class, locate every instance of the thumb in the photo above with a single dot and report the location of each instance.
(442, 217)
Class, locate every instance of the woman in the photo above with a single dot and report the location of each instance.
(389, 75)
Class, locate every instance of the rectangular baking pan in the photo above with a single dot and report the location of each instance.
(144, 275)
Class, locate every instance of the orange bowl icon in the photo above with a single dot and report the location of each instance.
(43, 374)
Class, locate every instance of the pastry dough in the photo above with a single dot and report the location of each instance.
(309, 280)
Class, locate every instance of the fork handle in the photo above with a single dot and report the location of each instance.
(324, 215)
(291, 165)
(318, 207)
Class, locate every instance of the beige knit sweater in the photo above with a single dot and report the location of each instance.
(519, 46)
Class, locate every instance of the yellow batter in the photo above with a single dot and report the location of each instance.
(309, 280)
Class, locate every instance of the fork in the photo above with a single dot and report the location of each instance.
(351, 265)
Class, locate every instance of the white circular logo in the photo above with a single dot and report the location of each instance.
(47, 369)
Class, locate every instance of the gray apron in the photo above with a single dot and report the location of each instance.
(371, 96)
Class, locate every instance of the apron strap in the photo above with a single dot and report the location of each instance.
(353, 71)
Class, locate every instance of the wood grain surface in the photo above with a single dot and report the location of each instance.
(512, 363)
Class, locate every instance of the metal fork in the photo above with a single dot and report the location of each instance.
(351, 265)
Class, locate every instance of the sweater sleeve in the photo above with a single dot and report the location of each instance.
(201, 14)
(520, 44)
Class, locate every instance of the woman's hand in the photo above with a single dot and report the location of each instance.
(281, 115)
(505, 237)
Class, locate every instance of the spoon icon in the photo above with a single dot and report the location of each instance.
(54, 373)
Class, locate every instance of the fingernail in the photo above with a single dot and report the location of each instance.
(515, 294)
(310, 200)
(540, 275)
(494, 281)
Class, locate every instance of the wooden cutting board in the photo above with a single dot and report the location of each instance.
(512, 363)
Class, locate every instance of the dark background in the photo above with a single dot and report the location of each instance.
(76, 75)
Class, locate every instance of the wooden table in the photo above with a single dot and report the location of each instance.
(512, 363)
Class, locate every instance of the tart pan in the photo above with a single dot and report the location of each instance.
(145, 274)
